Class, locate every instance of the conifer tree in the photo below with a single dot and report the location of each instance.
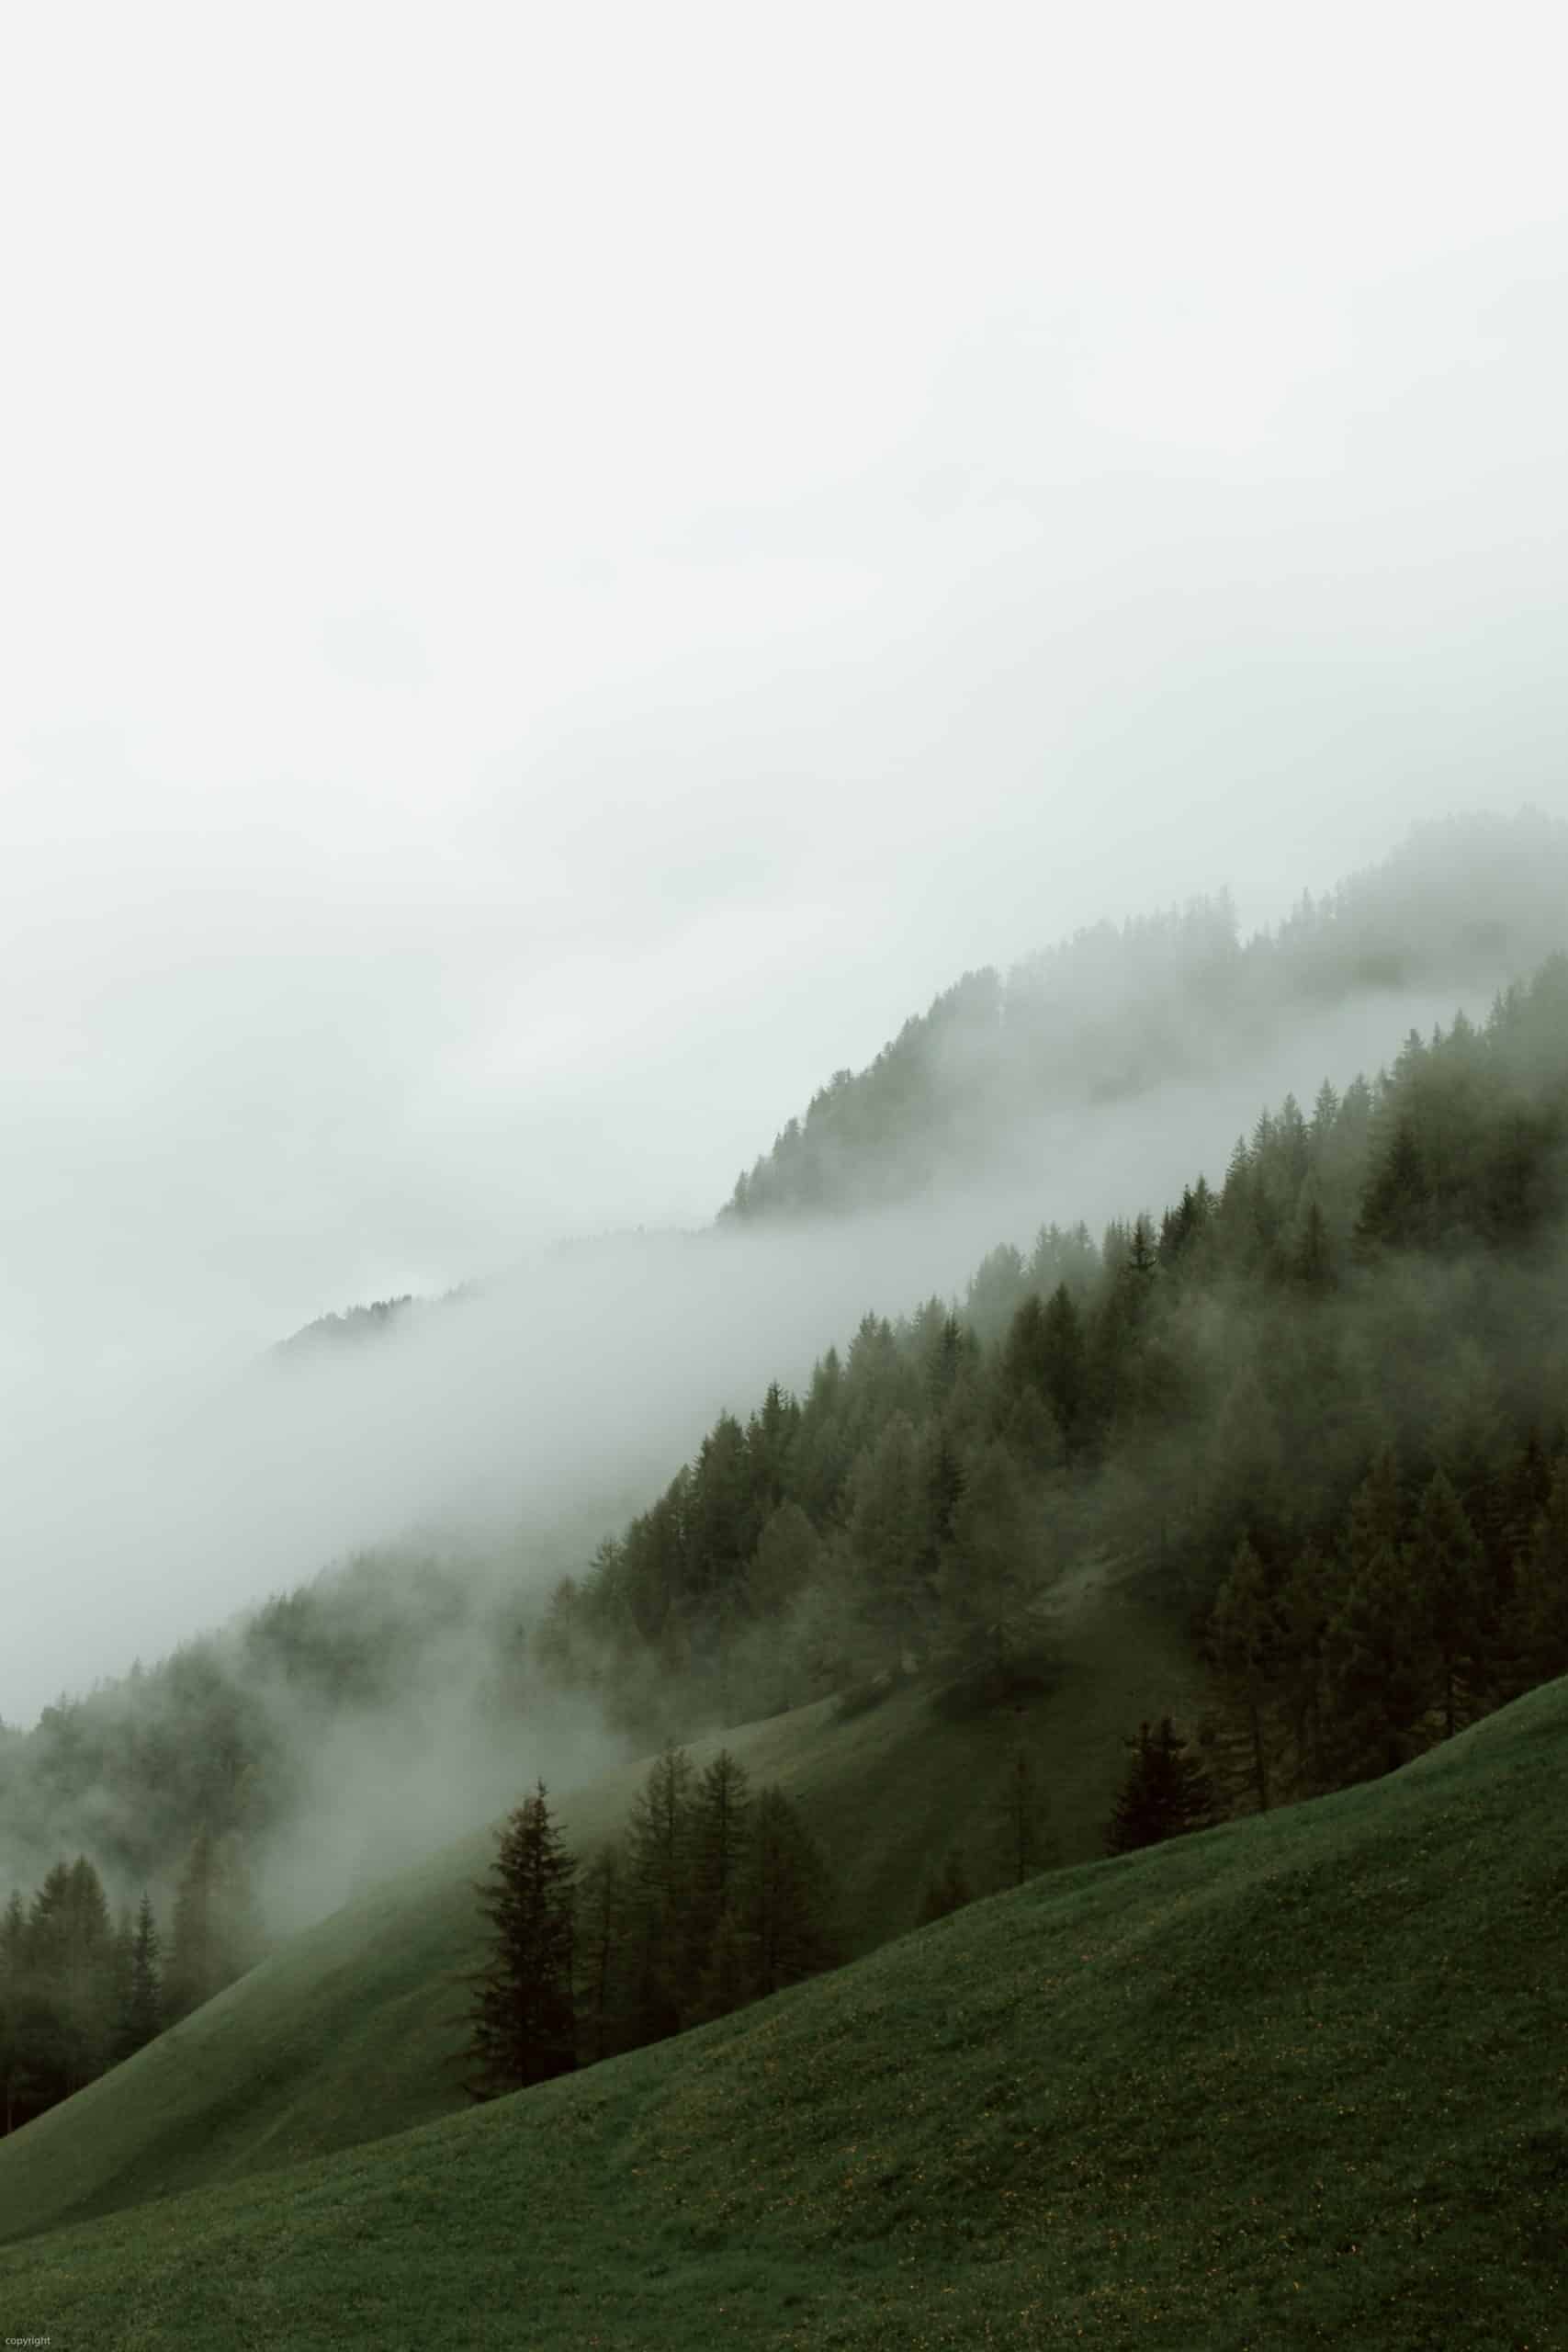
(720, 1819)
(523, 2026)
(1446, 1559)
(1244, 1637)
(1305, 1609)
(13, 1995)
(603, 1947)
(727, 1979)
(784, 1896)
(141, 2012)
(659, 1847)
(1539, 1610)
(1166, 1793)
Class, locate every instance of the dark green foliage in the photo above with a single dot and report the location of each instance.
(522, 2024)
(216, 1936)
(1350, 1314)
(1166, 1793)
(716, 1898)
(142, 2002)
(60, 1971)
(1290, 2088)
(1246, 1638)
(602, 1949)
(785, 1902)
(658, 1849)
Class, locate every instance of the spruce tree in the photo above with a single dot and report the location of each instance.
(1166, 1793)
(603, 1951)
(785, 1899)
(1244, 1637)
(659, 1847)
(13, 1995)
(194, 1968)
(141, 2013)
(1446, 1560)
(523, 2026)
(719, 1822)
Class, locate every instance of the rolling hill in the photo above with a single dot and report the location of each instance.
(349, 2031)
(1299, 2081)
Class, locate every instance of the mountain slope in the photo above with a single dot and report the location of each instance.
(981, 1081)
(1296, 2082)
(350, 2031)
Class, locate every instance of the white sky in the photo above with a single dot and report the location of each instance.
(561, 569)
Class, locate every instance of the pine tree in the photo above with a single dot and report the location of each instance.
(718, 1836)
(215, 1934)
(658, 1846)
(1378, 1648)
(1447, 1564)
(141, 2012)
(523, 2023)
(13, 1993)
(1244, 1635)
(727, 1980)
(785, 1904)
(1539, 1612)
(603, 1944)
(1166, 1793)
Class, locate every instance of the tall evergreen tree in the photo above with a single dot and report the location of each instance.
(1446, 1560)
(1165, 1794)
(523, 2025)
(720, 1822)
(1245, 1639)
(141, 2012)
(785, 1904)
(603, 1947)
(13, 1995)
(659, 1847)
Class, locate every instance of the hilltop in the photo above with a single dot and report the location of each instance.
(1289, 2082)
(976, 1082)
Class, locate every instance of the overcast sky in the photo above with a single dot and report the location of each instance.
(565, 568)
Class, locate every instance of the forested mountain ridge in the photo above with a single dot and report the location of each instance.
(1318, 1406)
(1116, 1009)
(1323, 1401)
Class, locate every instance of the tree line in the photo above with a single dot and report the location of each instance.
(1119, 1008)
(715, 1896)
(1376, 1280)
(1347, 1364)
(81, 1990)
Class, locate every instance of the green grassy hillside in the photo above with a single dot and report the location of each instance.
(1302, 2081)
(349, 2032)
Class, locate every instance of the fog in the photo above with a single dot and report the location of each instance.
(561, 580)
(523, 1422)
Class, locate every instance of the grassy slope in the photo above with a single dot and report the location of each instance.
(1300, 2082)
(348, 2033)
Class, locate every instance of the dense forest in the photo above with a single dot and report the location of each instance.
(1118, 1009)
(1322, 1402)
(1319, 1404)
(714, 1896)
